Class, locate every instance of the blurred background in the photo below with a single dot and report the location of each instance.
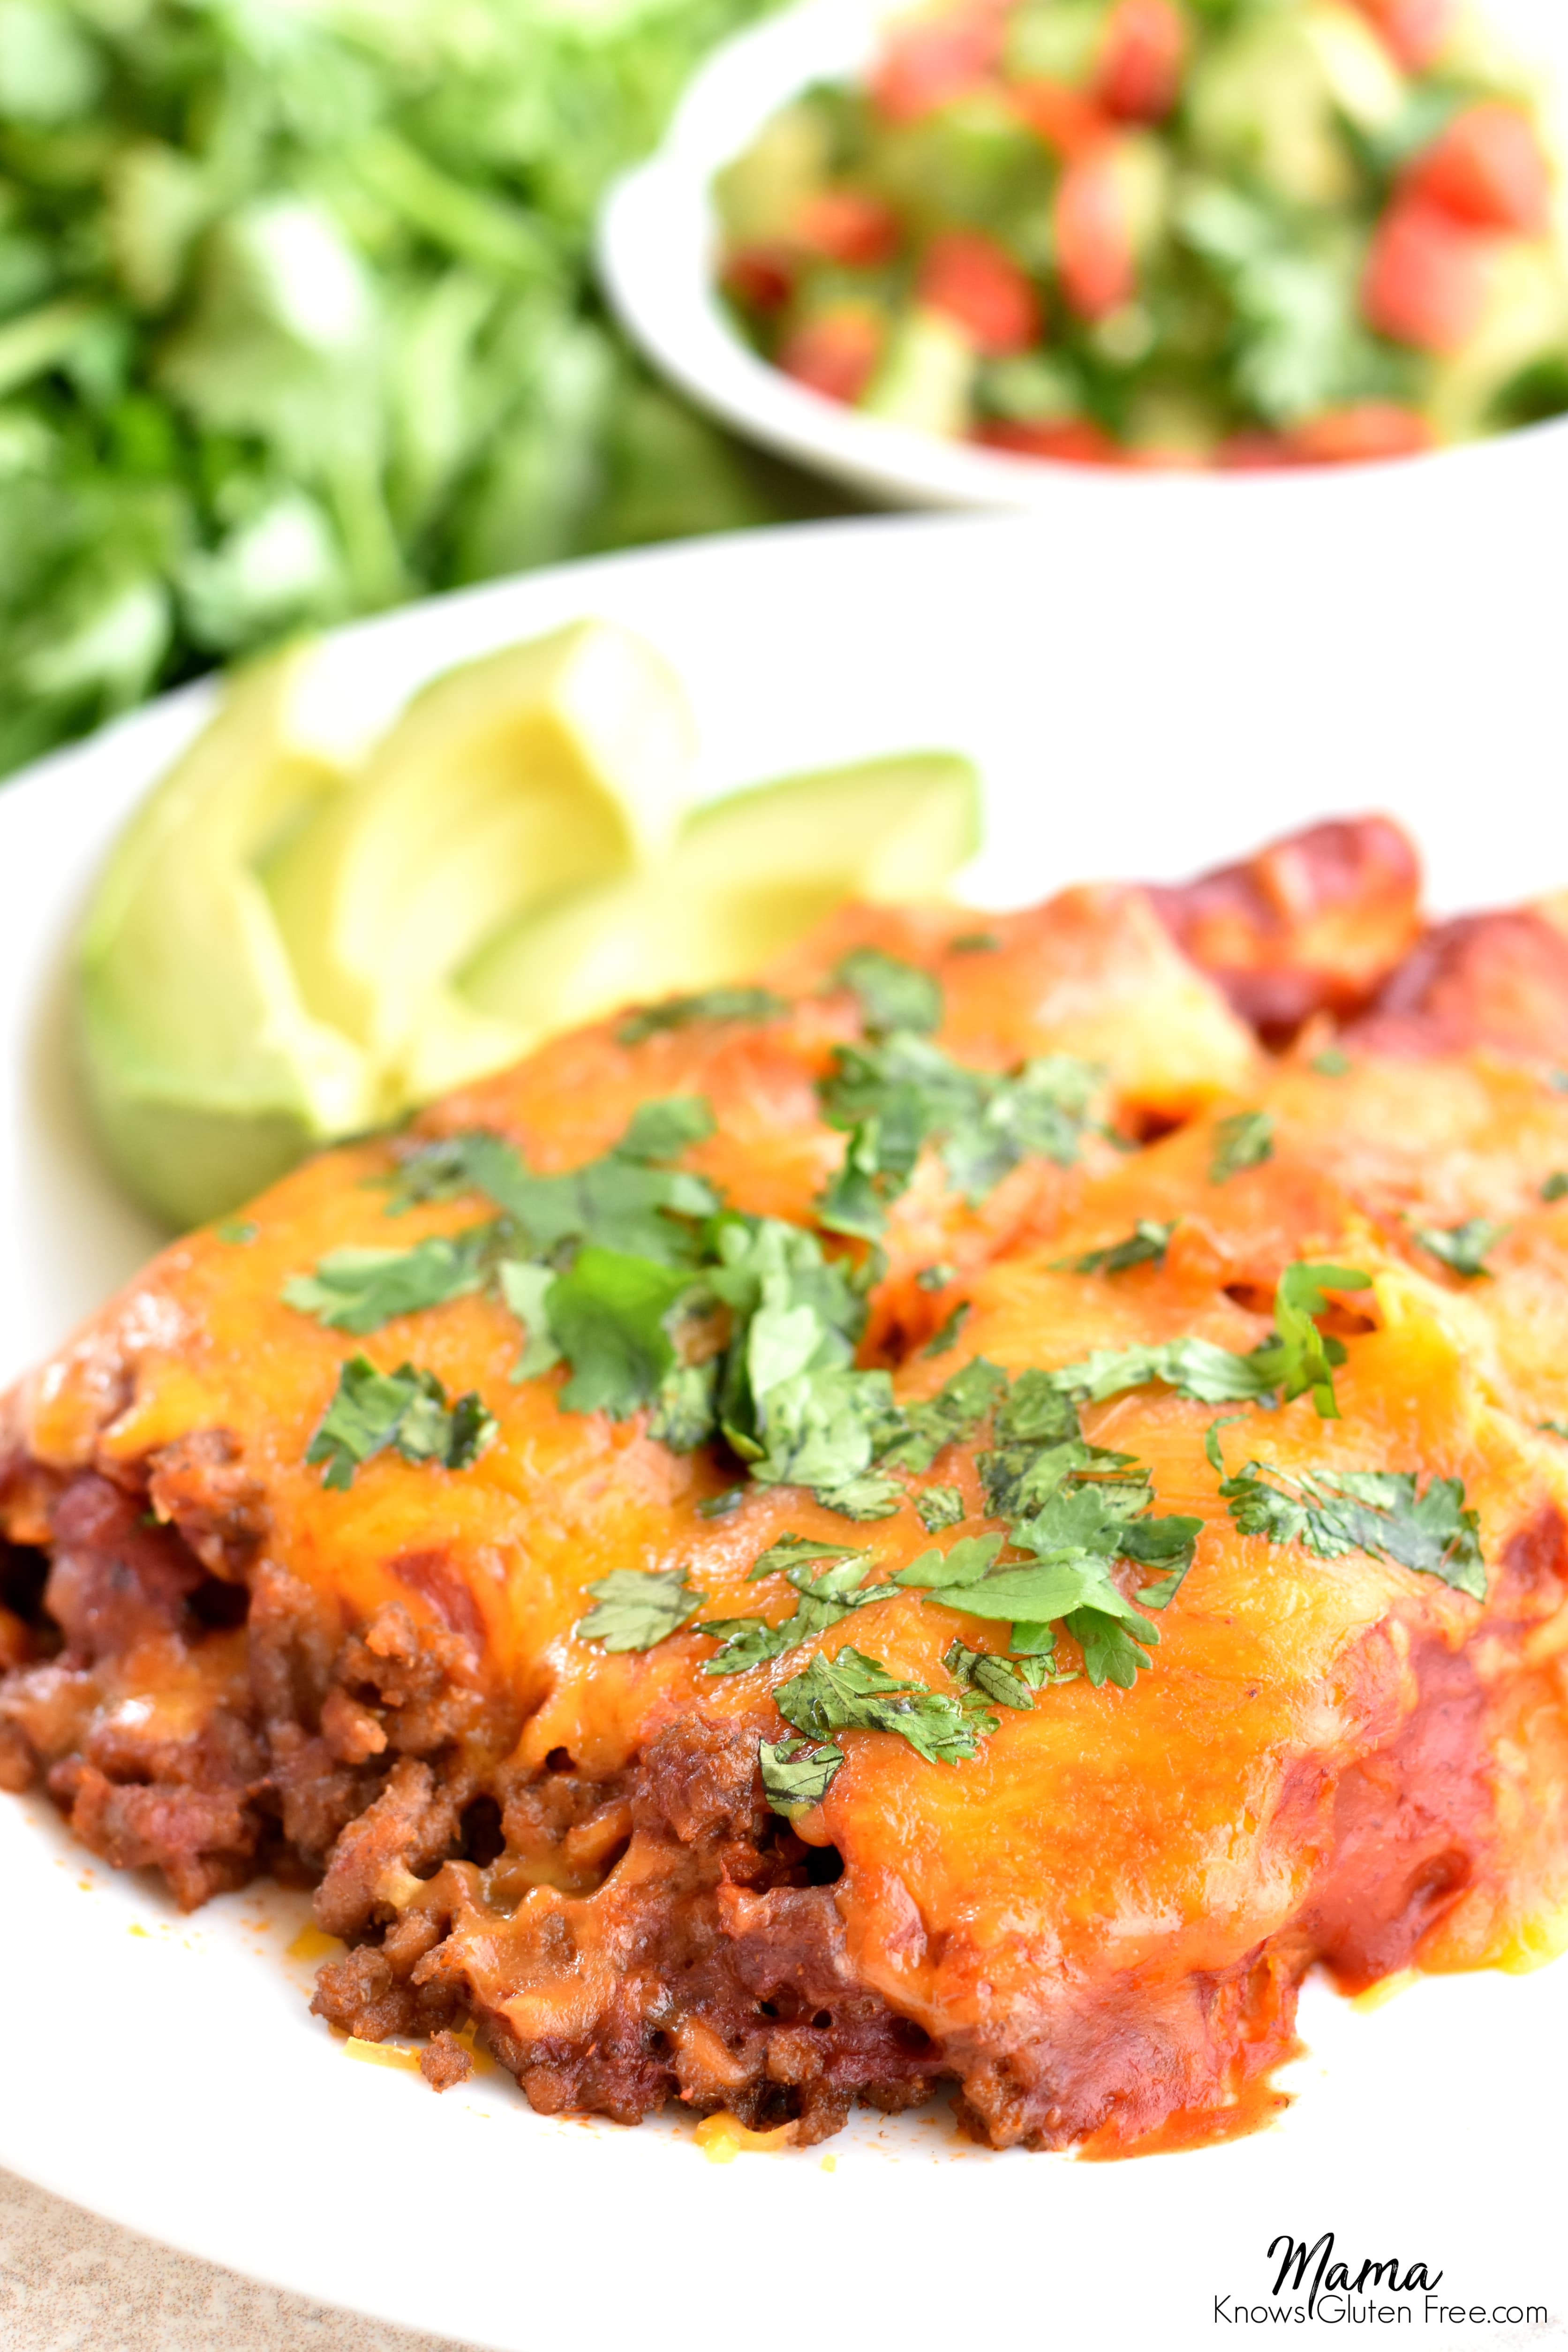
(297, 322)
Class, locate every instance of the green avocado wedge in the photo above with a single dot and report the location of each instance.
(206, 1073)
(748, 876)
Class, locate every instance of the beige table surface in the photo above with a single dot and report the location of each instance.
(70, 2283)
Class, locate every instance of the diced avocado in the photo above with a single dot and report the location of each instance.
(927, 376)
(538, 769)
(759, 195)
(1271, 99)
(748, 877)
(207, 1073)
(1525, 325)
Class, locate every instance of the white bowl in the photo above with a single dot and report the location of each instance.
(659, 241)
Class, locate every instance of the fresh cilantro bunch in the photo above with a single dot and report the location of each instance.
(295, 320)
(406, 1411)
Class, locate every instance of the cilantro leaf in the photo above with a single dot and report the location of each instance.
(1331, 1512)
(936, 1278)
(826, 1595)
(619, 1202)
(371, 1411)
(1145, 1245)
(956, 1411)
(1462, 1249)
(797, 1775)
(1193, 1366)
(1330, 1063)
(1555, 1188)
(525, 1287)
(937, 1507)
(636, 1608)
(1005, 1682)
(707, 1004)
(684, 1413)
(946, 1337)
(975, 943)
(358, 1291)
(790, 1552)
(236, 1232)
(1245, 1139)
(1303, 1356)
(607, 1314)
(893, 995)
(853, 1693)
(965, 1563)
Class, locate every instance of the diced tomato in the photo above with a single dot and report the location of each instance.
(929, 63)
(1415, 30)
(1487, 168)
(1072, 441)
(1255, 451)
(1142, 54)
(973, 281)
(760, 277)
(836, 353)
(847, 225)
(1426, 278)
(1361, 433)
(1069, 122)
(1093, 238)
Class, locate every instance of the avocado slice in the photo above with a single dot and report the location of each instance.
(539, 769)
(207, 1073)
(1271, 98)
(748, 877)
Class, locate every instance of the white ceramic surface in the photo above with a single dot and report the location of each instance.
(658, 243)
(1141, 701)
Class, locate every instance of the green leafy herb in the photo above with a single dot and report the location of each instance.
(896, 1096)
(636, 1608)
(893, 995)
(956, 1411)
(1330, 1063)
(937, 1507)
(1145, 1245)
(853, 1693)
(1556, 1428)
(707, 1004)
(936, 1278)
(1462, 1249)
(608, 1315)
(790, 1552)
(826, 1595)
(718, 1506)
(1246, 1140)
(796, 1775)
(1005, 1682)
(623, 1202)
(236, 1232)
(407, 1410)
(1303, 1356)
(1331, 1512)
(975, 943)
(1556, 1185)
(1193, 1366)
(946, 1336)
(525, 1286)
(358, 1291)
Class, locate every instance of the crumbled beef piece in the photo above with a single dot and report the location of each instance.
(410, 1825)
(444, 2061)
(203, 1841)
(201, 1483)
(114, 1580)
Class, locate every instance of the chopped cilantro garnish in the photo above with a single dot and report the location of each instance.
(1246, 1140)
(235, 1231)
(1305, 1357)
(1556, 1428)
(1298, 1358)
(796, 1775)
(1331, 1512)
(945, 1339)
(936, 1278)
(708, 1004)
(826, 1595)
(525, 1286)
(893, 995)
(1145, 1245)
(1330, 1063)
(937, 1507)
(1462, 1249)
(608, 1315)
(407, 1410)
(635, 1608)
(358, 1291)
(975, 943)
(1005, 1682)
(621, 1202)
(956, 1412)
(1556, 1185)
(896, 1096)
(853, 1693)
(719, 1506)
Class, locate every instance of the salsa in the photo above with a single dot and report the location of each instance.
(1188, 233)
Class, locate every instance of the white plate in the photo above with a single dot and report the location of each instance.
(1140, 701)
(658, 240)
